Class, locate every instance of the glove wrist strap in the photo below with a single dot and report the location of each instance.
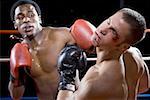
(16, 82)
(66, 86)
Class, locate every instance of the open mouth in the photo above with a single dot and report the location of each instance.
(28, 28)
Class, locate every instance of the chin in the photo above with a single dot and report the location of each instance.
(95, 44)
(29, 33)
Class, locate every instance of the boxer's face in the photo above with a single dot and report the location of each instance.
(27, 20)
(111, 32)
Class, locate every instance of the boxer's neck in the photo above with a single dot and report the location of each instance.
(35, 37)
(38, 37)
(108, 55)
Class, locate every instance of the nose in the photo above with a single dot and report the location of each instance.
(26, 19)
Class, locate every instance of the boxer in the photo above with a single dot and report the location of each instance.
(37, 55)
(120, 72)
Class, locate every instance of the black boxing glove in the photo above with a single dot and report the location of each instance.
(70, 59)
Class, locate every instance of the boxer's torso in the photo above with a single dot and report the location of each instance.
(104, 81)
(114, 81)
(44, 61)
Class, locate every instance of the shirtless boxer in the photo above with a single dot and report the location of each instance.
(119, 72)
(37, 54)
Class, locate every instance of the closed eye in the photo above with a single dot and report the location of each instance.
(103, 33)
(113, 31)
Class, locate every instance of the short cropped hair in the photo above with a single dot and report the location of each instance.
(137, 25)
(21, 2)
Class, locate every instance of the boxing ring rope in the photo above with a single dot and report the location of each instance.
(88, 59)
(94, 59)
(16, 31)
(9, 32)
(139, 97)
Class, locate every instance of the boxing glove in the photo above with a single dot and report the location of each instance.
(20, 60)
(82, 31)
(71, 58)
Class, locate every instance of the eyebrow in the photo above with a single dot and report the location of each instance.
(19, 14)
(30, 11)
(113, 29)
(23, 14)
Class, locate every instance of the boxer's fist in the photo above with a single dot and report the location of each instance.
(82, 31)
(71, 58)
(20, 59)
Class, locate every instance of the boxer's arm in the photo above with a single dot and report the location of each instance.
(79, 33)
(144, 81)
(144, 84)
(70, 60)
(65, 95)
(82, 31)
(16, 92)
(20, 61)
(82, 93)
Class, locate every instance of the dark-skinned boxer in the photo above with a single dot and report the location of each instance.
(38, 53)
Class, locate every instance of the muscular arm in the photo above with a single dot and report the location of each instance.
(144, 84)
(137, 62)
(70, 60)
(65, 95)
(69, 95)
(80, 94)
(16, 92)
(80, 33)
(63, 34)
(20, 62)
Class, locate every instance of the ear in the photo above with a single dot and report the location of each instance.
(124, 47)
(40, 19)
(15, 25)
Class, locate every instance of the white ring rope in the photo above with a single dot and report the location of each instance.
(4, 59)
(94, 59)
(88, 59)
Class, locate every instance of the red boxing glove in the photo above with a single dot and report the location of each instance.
(20, 58)
(82, 32)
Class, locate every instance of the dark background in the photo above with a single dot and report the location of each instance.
(59, 13)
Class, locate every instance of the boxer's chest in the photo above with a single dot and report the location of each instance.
(44, 57)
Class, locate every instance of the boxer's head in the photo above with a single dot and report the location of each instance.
(137, 25)
(26, 16)
(124, 28)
